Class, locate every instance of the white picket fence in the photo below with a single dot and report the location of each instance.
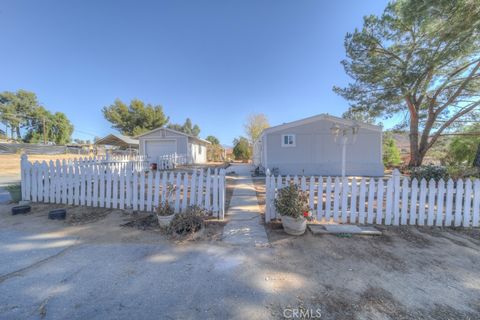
(92, 184)
(395, 201)
(170, 161)
(134, 163)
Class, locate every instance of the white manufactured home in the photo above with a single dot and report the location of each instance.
(314, 146)
(162, 142)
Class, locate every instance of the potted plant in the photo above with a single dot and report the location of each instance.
(292, 205)
(166, 211)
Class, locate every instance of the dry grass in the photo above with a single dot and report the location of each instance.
(259, 185)
(10, 163)
(229, 186)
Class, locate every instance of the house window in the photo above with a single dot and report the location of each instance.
(288, 140)
(199, 149)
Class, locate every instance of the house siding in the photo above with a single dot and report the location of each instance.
(194, 149)
(197, 151)
(181, 140)
(316, 153)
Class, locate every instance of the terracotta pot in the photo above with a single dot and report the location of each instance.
(294, 227)
(164, 221)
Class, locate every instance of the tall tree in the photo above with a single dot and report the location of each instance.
(254, 125)
(215, 151)
(16, 108)
(187, 128)
(420, 58)
(241, 149)
(136, 118)
(43, 124)
(213, 140)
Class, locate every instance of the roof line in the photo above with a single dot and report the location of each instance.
(322, 116)
(174, 131)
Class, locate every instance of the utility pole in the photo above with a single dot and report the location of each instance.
(44, 132)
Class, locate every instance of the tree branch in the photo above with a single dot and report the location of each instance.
(449, 122)
(462, 86)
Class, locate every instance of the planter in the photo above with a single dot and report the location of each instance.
(15, 194)
(57, 214)
(164, 221)
(294, 227)
(21, 209)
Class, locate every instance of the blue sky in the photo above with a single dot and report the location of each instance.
(213, 61)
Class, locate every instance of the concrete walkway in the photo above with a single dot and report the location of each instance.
(244, 226)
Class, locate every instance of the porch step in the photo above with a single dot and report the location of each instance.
(343, 228)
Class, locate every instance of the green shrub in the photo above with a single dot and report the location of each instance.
(291, 201)
(429, 172)
(391, 153)
(463, 172)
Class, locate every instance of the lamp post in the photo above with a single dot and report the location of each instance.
(344, 133)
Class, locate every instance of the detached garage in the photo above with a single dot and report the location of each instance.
(164, 142)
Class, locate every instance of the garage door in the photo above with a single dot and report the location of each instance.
(159, 148)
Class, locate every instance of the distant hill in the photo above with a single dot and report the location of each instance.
(402, 140)
(433, 156)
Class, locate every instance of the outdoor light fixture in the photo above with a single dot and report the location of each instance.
(335, 130)
(345, 132)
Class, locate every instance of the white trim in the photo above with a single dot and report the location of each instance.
(294, 144)
(173, 131)
(264, 146)
(321, 117)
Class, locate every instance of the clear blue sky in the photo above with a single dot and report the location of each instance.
(213, 61)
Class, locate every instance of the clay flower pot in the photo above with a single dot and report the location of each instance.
(294, 226)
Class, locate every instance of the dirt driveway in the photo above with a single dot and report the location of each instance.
(94, 268)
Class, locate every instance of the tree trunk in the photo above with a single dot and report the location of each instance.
(415, 156)
(476, 161)
(18, 132)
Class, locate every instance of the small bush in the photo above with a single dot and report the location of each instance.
(165, 209)
(429, 172)
(190, 221)
(291, 201)
(463, 172)
(391, 153)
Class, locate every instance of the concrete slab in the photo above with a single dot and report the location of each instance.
(244, 226)
(343, 228)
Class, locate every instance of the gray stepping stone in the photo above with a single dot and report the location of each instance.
(343, 228)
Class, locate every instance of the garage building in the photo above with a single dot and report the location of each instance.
(162, 142)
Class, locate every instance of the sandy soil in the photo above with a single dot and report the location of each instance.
(259, 184)
(230, 185)
(10, 163)
(408, 273)
(89, 217)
